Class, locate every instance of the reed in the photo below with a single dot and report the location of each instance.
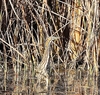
(50, 46)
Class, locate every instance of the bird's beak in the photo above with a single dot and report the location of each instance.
(55, 38)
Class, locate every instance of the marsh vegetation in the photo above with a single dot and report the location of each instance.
(49, 47)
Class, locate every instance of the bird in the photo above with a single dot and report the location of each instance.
(41, 73)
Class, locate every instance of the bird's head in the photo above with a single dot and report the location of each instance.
(50, 39)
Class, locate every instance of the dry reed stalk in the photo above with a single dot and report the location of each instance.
(43, 6)
(75, 35)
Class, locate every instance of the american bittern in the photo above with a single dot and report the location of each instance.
(41, 72)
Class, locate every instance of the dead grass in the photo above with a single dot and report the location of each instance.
(71, 62)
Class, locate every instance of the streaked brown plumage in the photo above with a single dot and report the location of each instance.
(41, 72)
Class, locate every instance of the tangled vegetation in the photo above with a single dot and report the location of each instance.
(49, 47)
